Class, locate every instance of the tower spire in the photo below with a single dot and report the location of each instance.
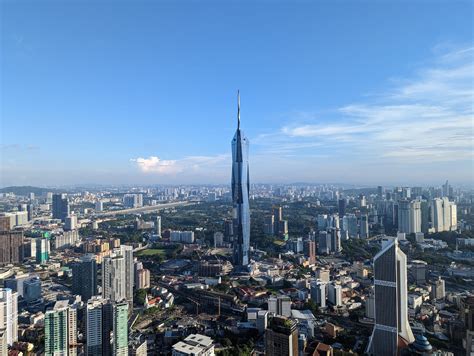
(238, 109)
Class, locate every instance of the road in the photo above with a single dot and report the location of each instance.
(144, 209)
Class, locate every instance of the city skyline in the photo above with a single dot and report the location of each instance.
(395, 114)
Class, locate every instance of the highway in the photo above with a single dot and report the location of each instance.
(143, 209)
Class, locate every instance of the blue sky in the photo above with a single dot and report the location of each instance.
(365, 92)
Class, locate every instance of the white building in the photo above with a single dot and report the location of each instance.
(335, 294)
(319, 292)
(194, 345)
(186, 237)
(9, 314)
(443, 215)
(409, 216)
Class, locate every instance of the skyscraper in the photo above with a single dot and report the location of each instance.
(9, 314)
(118, 275)
(11, 246)
(60, 329)
(409, 216)
(240, 195)
(391, 329)
(281, 338)
(60, 206)
(84, 277)
(106, 328)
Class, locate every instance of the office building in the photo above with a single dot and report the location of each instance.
(60, 329)
(438, 290)
(84, 277)
(322, 221)
(392, 330)
(32, 289)
(269, 225)
(364, 227)
(9, 314)
(324, 245)
(281, 337)
(319, 291)
(335, 294)
(280, 305)
(341, 205)
(106, 328)
(60, 207)
(335, 239)
(349, 224)
(309, 249)
(240, 196)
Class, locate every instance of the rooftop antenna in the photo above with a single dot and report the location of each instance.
(238, 109)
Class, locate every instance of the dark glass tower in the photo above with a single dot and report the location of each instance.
(240, 194)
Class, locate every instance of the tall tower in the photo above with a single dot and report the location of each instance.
(392, 329)
(84, 277)
(240, 194)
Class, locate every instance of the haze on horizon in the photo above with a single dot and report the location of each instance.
(145, 93)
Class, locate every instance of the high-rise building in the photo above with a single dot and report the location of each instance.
(60, 207)
(269, 225)
(335, 294)
(240, 195)
(32, 289)
(392, 329)
(42, 250)
(60, 329)
(143, 278)
(280, 305)
(9, 314)
(84, 277)
(438, 290)
(118, 275)
(364, 227)
(99, 206)
(158, 226)
(324, 245)
(281, 337)
(319, 292)
(106, 327)
(335, 238)
(409, 216)
(443, 215)
(349, 224)
(11, 247)
(341, 205)
(70, 223)
(309, 250)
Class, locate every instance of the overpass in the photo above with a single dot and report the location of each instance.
(143, 209)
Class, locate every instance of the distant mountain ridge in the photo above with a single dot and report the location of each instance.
(26, 190)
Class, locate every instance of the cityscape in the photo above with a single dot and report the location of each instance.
(313, 254)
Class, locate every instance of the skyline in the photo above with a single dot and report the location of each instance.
(393, 107)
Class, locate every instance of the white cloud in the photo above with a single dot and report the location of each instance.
(189, 164)
(429, 118)
(154, 164)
